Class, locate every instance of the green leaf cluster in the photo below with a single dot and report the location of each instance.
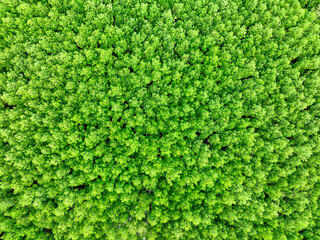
(164, 119)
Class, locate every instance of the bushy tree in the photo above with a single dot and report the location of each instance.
(166, 119)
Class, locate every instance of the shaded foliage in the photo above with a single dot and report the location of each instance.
(131, 119)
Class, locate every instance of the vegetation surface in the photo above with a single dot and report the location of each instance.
(159, 119)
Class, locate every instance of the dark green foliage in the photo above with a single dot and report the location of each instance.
(310, 4)
(133, 119)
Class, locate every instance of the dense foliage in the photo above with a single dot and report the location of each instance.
(165, 119)
(310, 4)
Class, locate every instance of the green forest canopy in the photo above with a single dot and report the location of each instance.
(159, 119)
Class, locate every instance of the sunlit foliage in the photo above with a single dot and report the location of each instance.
(159, 119)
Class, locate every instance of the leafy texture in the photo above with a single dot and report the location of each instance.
(165, 119)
